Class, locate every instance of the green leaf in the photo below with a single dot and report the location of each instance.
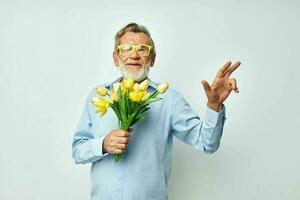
(123, 105)
(122, 112)
(154, 94)
(133, 105)
(138, 118)
(131, 118)
(119, 92)
(153, 100)
(115, 108)
(139, 109)
(128, 105)
(117, 157)
(145, 109)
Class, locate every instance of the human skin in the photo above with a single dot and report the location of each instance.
(116, 141)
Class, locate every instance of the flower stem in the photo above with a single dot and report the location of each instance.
(122, 126)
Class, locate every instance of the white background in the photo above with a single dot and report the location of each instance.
(52, 53)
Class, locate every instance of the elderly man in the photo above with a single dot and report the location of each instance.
(145, 166)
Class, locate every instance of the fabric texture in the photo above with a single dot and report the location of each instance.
(144, 169)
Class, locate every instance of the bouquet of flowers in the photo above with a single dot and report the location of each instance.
(129, 101)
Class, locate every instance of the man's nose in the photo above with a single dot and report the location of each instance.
(134, 54)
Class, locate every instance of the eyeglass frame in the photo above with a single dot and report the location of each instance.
(133, 46)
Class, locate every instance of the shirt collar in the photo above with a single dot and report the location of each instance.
(151, 83)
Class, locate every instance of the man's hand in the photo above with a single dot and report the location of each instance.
(221, 87)
(116, 141)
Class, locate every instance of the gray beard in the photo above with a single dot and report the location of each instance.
(141, 75)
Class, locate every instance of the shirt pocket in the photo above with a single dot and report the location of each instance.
(101, 126)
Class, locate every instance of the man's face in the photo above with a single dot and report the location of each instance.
(133, 64)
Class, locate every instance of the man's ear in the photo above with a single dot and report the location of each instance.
(115, 57)
(152, 60)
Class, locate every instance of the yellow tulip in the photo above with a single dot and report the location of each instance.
(123, 90)
(100, 102)
(102, 105)
(136, 86)
(114, 96)
(162, 88)
(116, 86)
(136, 96)
(101, 111)
(144, 85)
(146, 96)
(128, 83)
(102, 91)
(95, 99)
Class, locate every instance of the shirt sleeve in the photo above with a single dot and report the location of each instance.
(204, 135)
(85, 147)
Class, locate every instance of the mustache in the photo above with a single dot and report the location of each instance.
(138, 76)
(134, 64)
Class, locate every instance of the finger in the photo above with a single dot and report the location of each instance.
(117, 151)
(232, 68)
(122, 140)
(233, 85)
(214, 86)
(223, 69)
(205, 85)
(123, 133)
(121, 146)
(111, 143)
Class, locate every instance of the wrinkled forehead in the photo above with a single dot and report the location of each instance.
(134, 38)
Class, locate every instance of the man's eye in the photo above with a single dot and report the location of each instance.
(142, 48)
(126, 47)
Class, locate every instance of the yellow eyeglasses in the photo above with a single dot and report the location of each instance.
(141, 49)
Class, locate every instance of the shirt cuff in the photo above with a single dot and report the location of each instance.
(212, 117)
(97, 146)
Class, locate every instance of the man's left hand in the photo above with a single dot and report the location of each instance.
(221, 87)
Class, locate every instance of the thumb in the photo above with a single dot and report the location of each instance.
(205, 85)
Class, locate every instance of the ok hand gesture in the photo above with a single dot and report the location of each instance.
(221, 87)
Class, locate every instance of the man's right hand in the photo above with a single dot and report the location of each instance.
(116, 141)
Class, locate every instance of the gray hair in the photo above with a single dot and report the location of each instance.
(135, 28)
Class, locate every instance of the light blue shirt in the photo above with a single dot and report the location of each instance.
(144, 169)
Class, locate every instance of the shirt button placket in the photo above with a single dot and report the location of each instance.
(121, 178)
